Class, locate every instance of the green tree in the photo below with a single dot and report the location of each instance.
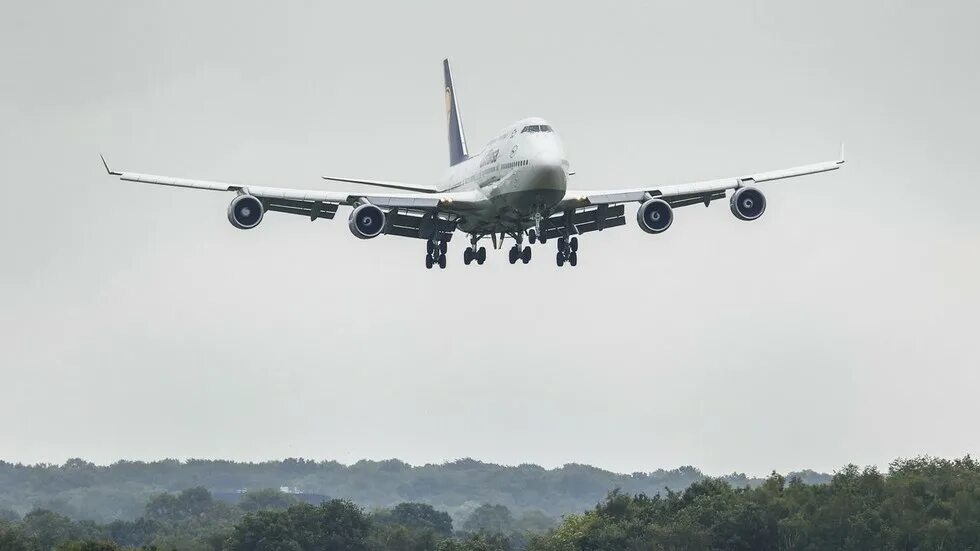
(419, 516)
(333, 526)
(267, 499)
(490, 519)
(477, 542)
(189, 503)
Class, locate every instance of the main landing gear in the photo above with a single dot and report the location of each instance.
(567, 251)
(471, 253)
(435, 253)
(519, 251)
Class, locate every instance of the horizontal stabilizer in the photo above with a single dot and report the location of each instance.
(381, 183)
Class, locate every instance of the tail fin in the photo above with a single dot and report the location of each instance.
(457, 141)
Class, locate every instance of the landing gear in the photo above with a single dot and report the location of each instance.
(470, 254)
(567, 251)
(435, 253)
(519, 253)
(532, 236)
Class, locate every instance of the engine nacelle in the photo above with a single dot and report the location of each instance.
(245, 212)
(748, 203)
(366, 221)
(655, 216)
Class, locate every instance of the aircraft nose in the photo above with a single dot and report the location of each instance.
(548, 160)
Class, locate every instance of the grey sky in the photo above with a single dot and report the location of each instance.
(841, 327)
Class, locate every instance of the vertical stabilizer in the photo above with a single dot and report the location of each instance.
(457, 141)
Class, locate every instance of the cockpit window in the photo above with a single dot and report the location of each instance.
(537, 128)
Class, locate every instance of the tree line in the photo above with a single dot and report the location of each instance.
(921, 503)
(82, 490)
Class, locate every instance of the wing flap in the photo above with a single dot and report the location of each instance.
(584, 221)
(419, 227)
(313, 209)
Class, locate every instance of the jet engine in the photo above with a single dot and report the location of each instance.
(655, 216)
(748, 203)
(366, 221)
(245, 212)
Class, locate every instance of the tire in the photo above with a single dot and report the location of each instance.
(481, 255)
(573, 258)
(442, 262)
(467, 256)
(428, 262)
(532, 236)
(573, 244)
(443, 247)
(562, 245)
(512, 257)
(560, 258)
(429, 245)
(526, 255)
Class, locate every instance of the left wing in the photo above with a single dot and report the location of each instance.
(680, 195)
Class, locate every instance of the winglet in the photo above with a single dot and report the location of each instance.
(841, 160)
(107, 169)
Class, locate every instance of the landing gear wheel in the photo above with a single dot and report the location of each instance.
(573, 258)
(429, 247)
(442, 262)
(481, 255)
(542, 240)
(443, 247)
(514, 253)
(468, 256)
(526, 255)
(562, 245)
(560, 258)
(573, 244)
(532, 236)
(428, 262)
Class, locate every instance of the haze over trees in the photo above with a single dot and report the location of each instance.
(918, 504)
(82, 490)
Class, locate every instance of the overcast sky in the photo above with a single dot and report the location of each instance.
(137, 323)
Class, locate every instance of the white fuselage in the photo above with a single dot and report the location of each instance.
(521, 173)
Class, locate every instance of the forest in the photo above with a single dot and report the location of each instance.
(81, 490)
(920, 503)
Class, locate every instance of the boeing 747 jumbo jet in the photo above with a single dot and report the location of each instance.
(515, 187)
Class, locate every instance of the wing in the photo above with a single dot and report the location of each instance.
(409, 214)
(690, 194)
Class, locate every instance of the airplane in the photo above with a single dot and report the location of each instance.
(515, 187)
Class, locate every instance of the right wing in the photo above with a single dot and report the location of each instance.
(406, 210)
